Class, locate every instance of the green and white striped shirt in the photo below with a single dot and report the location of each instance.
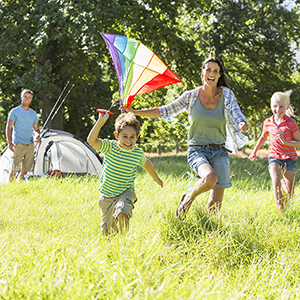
(119, 167)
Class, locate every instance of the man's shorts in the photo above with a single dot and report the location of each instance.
(111, 207)
(217, 158)
(285, 164)
(23, 154)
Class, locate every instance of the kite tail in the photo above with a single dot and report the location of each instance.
(190, 185)
(121, 106)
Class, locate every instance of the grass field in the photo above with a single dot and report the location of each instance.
(51, 247)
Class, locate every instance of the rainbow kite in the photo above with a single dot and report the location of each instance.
(138, 69)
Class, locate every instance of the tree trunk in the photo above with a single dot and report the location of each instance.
(159, 149)
(47, 106)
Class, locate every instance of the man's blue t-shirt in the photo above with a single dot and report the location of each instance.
(23, 126)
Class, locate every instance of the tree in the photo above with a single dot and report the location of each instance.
(255, 41)
(45, 44)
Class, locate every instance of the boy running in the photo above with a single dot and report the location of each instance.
(119, 170)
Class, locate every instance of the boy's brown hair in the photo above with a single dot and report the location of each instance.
(127, 119)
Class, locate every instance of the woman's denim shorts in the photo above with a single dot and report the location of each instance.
(217, 158)
(285, 164)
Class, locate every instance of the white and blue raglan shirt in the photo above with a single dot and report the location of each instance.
(233, 115)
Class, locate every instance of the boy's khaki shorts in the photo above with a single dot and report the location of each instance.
(112, 206)
(23, 154)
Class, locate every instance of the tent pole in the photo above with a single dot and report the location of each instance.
(63, 100)
(45, 124)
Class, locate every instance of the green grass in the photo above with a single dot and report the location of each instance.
(51, 246)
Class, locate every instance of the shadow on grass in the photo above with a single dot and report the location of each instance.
(227, 244)
(194, 227)
(291, 217)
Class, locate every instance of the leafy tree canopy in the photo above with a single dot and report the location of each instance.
(43, 45)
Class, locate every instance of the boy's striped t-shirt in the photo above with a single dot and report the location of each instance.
(119, 167)
(288, 127)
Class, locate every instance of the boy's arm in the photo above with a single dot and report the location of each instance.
(294, 143)
(258, 145)
(150, 170)
(92, 138)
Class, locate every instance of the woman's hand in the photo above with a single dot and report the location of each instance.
(243, 126)
(130, 109)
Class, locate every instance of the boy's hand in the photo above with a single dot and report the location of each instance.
(104, 115)
(103, 111)
(159, 182)
(92, 138)
(150, 170)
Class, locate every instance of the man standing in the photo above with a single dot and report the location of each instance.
(23, 120)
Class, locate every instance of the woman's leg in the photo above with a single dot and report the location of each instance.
(215, 199)
(275, 172)
(208, 179)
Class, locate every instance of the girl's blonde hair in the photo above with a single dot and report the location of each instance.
(286, 97)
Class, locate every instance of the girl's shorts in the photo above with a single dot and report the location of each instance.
(285, 164)
(217, 158)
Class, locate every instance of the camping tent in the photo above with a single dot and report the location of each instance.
(64, 151)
